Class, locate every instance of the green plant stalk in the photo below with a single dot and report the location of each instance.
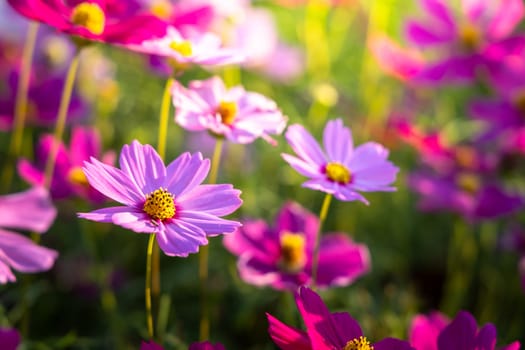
(322, 218)
(149, 315)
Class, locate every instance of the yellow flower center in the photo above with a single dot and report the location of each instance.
(360, 343)
(468, 182)
(183, 47)
(90, 16)
(337, 172)
(227, 111)
(293, 255)
(160, 205)
(469, 36)
(162, 9)
(466, 157)
(77, 176)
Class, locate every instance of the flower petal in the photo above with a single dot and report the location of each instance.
(304, 145)
(208, 223)
(337, 140)
(179, 238)
(286, 337)
(217, 200)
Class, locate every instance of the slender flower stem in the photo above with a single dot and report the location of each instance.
(322, 218)
(149, 316)
(20, 103)
(204, 252)
(61, 118)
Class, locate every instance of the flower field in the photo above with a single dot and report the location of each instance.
(286, 174)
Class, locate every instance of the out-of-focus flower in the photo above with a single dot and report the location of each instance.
(235, 114)
(399, 62)
(9, 339)
(168, 201)
(93, 20)
(68, 178)
(150, 345)
(28, 210)
(202, 49)
(435, 332)
(281, 257)
(206, 345)
(324, 330)
(342, 170)
(463, 38)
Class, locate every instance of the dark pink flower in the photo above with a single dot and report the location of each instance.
(97, 20)
(206, 345)
(68, 178)
(435, 332)
(281, 257)
(9, 339)
(324, 330)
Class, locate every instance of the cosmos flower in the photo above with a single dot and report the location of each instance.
(9, 339)
(166, 200)
(29, 210)
(93, 20)
(201, 49)
(399, 62)
(235, 114)
(68, 178)
(324, 330)
(436, 332)
(342, 170)
(281, 257)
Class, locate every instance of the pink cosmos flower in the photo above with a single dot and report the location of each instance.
(28, 210)
(281, 257)
(96, 20)
(9, 339)
(168, 201)
(68, 178)
(202, 49)
(399, 62)
(324, 330)
(435, 332)
(342, 170)
(235, 114)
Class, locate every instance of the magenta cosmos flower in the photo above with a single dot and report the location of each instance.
(9, 339)
(342, 170)
(202, 49)
(324, 330)
(281, 257)
(435, 332)
(166, 200)
(95, 20)
(68, 178)
(235, 114)
(29, 210)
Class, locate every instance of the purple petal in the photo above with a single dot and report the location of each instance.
(180, 238)
(345, 324)
(6, 275)
(85, 143)
(440, 12)
(31, 210)
(507, 16)
(493, 202)
(24, 255)
(206, 345)
(486, 339)
(258, 272)
(286, 337)
(424, 330)
(367, 155)
(304, 145)
(337, 141)
(393, 344)
(151, 345)
(126, 217)
(294, 218)
(217, 200)
(210, 224)
(255, 239)
(186, 175)
(9, 339)
(302, 167)
(459, 334)
(422, 36)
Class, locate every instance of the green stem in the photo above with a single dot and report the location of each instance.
(149, 316)
(322, 218)
(164, 118)
(20, 104)
(204, 253)
(61, 118)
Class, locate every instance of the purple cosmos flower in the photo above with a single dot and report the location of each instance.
(29, 210)
(342, 170)
(202, 49)
(97, 20)
(9, 339)
(435, 332)
(281, 257)
(68, 178)
(466, 38)
(150, 345)
(235, 114)
(324, 330)
(166, 200)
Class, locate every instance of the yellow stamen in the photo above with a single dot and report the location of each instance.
(293, 255)
(77, 176)
(337, 172)
(160, 205)
(227, 111)
(183, 47)
(360, 343)
(90, 16)
(469, 36)
(468, 182)
(162, 9)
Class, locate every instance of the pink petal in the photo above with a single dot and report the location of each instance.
(337, 141)
(286, 337)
